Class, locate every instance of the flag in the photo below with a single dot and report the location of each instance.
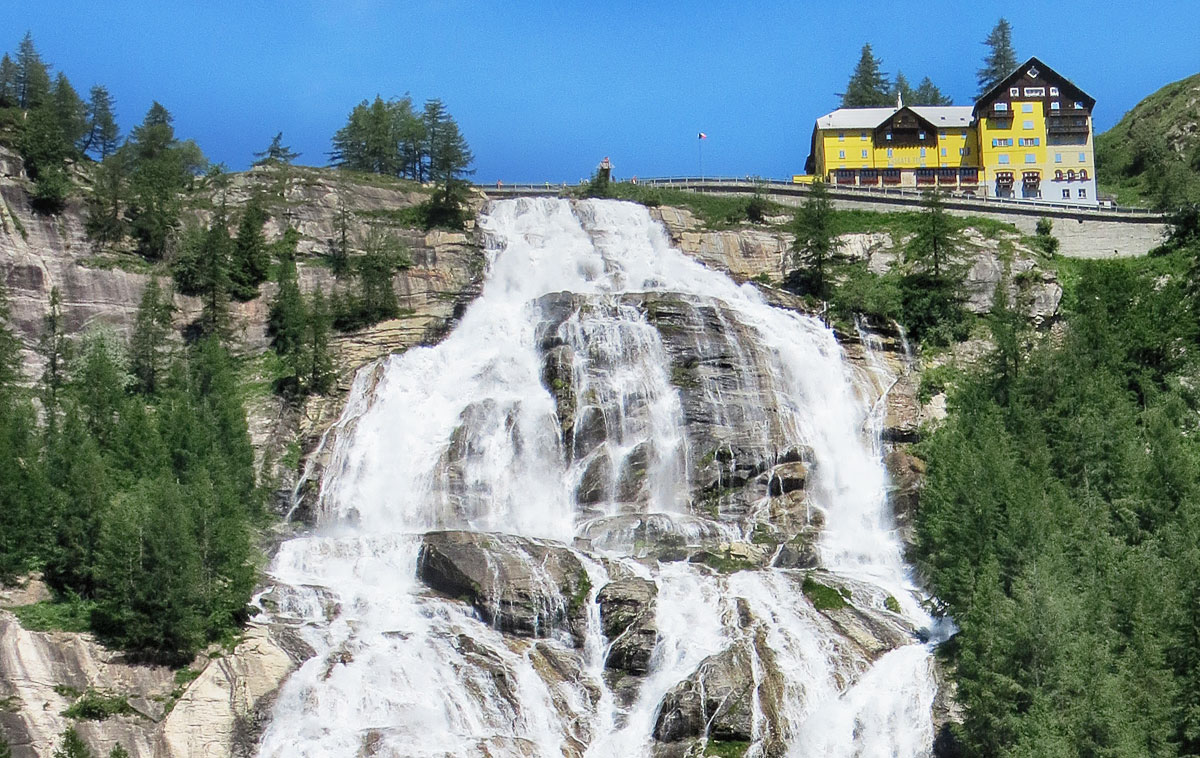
(702, 136)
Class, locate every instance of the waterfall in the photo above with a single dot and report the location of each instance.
(608, 413)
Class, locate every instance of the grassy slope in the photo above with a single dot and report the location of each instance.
(1172, 112)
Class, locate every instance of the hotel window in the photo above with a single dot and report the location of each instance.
(842, 154)
(1027, 125)
(1066, 194)
(942, 134)
(922, 152)
(1035, 91)
(1030, 158)
(841, 136)
(864, 152)
(1058, 157)
(1054, 90)
(943, 152)
(920, 135)
(964, 134)
(1027, 107)
(1003, 160)
(1014, 91)
(1001, 106)
(1078, 105)
(889, 135)
(889, 152)
(1083, 157)
(1054, 105)
(1083, 193)
(862, 136)
(964, 151)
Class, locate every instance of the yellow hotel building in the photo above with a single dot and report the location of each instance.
(1029, 136)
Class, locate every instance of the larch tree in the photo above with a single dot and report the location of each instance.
(1001, 58)
(70, 110)
(32, 75)
(868, 86)
(9, 96)
(103, 134)
(816, 245)
(276, 154)
(149, 347)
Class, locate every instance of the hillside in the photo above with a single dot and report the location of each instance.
(1152, 155)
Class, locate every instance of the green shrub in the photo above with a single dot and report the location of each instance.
(97, 706)
(67, 615)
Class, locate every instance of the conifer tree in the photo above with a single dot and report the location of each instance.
(103, 134)
(318, 369)
(148, 345)
(936, 246)
(868, 86)
(927, 93)
(99, 382)
(8, 83)
(1001, 58)
(287, 323)
(250, 257)
(32, 75)
(816, 245)
(213, 279)
(45, 149)
(276, 154)
(105, 222)
(902, 91)
(160, 167)
(449, 157)
(82, 487)
(70, 111)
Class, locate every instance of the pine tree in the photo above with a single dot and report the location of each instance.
(276, 154)
(8, 83)
(33, 76)
(160, 168)
(98, 383)
(82, 487)
(448, 159)
(816, 245)
(1001, 59)
(105, 223)
(318, 369)
(23, 514)
(214, 282)
(383, 255)
(927, 93)
(936, 246)
(250, 257)
(45, 150)
(70, 111)
(287, 324)
(148, 345)
(103, 134)
(902, 91)
(868, 86)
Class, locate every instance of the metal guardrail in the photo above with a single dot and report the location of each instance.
(905, 196)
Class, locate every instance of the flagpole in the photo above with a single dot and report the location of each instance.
(700, 153)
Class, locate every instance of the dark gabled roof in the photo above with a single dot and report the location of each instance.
(1075, 92)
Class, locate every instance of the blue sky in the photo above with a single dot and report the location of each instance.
(543, 90)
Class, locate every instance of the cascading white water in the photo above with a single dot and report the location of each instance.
(464, 435)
